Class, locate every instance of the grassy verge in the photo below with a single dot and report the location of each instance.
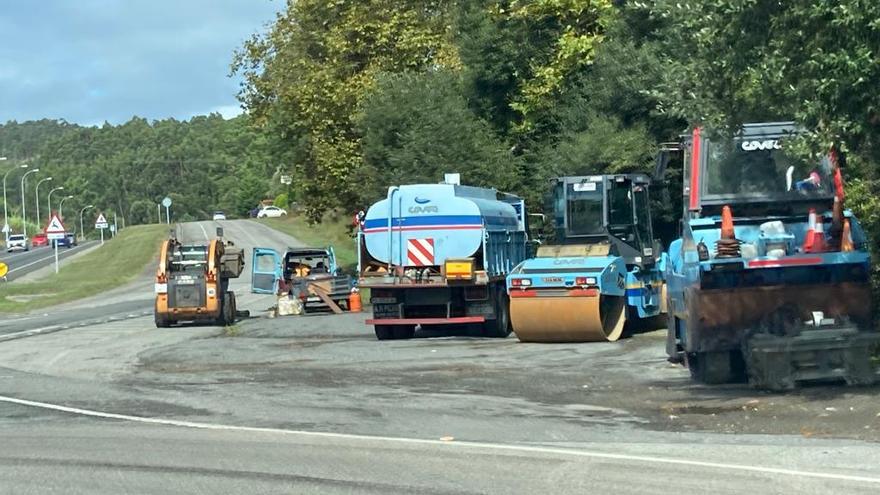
(119, 261)
(333, 231)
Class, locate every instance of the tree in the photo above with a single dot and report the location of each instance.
(306, 78)
(415, 127)
(736, 61)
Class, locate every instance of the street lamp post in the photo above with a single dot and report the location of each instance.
(5, 211)
(37, 191)
(49, 199)
(23, 215)
(82, 232)
(61, 206)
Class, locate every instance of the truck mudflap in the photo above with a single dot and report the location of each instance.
(841, 353)
(720, 319)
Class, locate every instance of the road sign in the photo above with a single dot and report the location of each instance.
(6, 228)
(101, 222)
(55, 229)
(166, 202)
(3, 269)
(286, 179)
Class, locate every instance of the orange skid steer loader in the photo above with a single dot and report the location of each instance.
(192, 282)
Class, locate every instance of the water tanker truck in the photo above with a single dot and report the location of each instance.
(437, 254)
(757, 286)
(601, 268)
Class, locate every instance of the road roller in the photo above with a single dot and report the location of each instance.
(759, 289)
(599, 267)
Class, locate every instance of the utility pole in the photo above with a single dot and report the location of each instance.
(61, 206)
(37, 191)
(49, 198)
(6, 227)
(23, 198)
(82, 232)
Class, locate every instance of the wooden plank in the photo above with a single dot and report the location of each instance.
(319, 291)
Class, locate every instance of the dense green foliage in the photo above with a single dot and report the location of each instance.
(358, 96)
(202, 164)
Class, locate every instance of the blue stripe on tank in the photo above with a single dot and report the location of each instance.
(432, 220)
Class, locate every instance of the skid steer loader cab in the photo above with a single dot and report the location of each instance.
(265, 271)
(606, 209)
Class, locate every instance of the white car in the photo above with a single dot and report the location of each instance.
(17, 242)
(219, 215)
(271, 212)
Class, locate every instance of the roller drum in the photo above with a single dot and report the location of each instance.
(568, 319)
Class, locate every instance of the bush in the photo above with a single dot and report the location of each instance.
(281, 201)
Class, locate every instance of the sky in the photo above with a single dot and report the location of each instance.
(91, 61)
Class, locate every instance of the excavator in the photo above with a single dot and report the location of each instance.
(192, 282)
(602, 267)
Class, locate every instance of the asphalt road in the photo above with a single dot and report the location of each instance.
(23, 262)
(315, 404)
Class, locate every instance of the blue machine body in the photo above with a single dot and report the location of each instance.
(772, 281)
(604, 248)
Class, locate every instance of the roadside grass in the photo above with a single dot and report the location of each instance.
(333, 231)
(116, 263)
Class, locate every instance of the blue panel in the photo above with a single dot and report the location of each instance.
(265, 271)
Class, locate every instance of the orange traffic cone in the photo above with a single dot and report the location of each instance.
(727, 231)
(846, 242)
(816, 238)
(354, 302)
(811, 229)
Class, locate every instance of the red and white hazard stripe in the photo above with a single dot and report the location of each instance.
(420, 252)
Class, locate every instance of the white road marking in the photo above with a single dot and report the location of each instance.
(204, 232)
(448, 444)
(28, 333)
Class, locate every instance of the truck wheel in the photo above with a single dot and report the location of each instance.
(404, 331)
(227, 315)
(233, 308)
(384, 332)
(499, 327)
(161, 321)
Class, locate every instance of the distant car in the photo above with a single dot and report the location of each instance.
(17, 242)
(219, 215)
(68, 241)
(271, 212)
(39, 240)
